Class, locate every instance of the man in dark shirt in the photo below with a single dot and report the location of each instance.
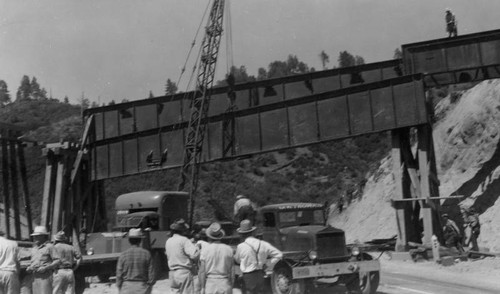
(134, 270)
(69, 259)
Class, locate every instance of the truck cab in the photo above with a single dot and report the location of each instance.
(314, 253)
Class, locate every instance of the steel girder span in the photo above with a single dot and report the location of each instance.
(124, 138)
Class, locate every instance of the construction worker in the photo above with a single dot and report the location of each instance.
(471, 222)
(9, 266)
(244, 209)
(182, 257)
(451, 23)
(44, 261)
(134, 269)
(69, 260)
(252, 255)
(451, 233)
(216, 264)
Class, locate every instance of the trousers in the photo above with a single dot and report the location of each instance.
(9, 282)
(181, 281)
(133, 287)
(218, 286)
(254, 282)
(42, 283)
(63, 282)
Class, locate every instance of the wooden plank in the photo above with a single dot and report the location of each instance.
(15, 189)
(6, 185)
(48, 189)
(25, 187)
(58, 197)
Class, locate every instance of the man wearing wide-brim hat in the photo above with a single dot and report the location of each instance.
(216, 263)
(244, 208)
(252, 255)
(44, 261)
(182, 256)
(69, 260)
(134, 269)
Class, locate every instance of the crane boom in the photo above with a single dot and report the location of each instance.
(200, 102)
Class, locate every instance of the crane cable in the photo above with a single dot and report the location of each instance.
(229, 39)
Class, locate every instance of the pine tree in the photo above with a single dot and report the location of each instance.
(36, 92)
(66, 99)
(4, 93)
(24, 90)
(170, 88)
(151, 94)
(325, 59)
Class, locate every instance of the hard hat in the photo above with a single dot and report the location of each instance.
(40, 230)
(447, 9)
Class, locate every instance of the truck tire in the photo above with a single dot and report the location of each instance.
(365, 282)
(282, 282)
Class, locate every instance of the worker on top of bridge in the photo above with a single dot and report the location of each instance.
(472, 228)
(216, 263)
(69, 258)
(44, 261)
(244, 209)
(252, 255)
(182, 257)
(134, 269)
(452, 235)
(451, 23)
(9, 266)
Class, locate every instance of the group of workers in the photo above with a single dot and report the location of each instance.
(198, 267)
(51, 267)
(472, 228)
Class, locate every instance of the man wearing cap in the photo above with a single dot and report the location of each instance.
(134, 269)
(252, 255)
(216, 264)
(44, 261)
(9, 266)
(69, 260)
(451, 233)
(471, 222)
(182, 256)
(244, 209)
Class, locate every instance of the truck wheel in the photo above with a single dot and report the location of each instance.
(282, 282)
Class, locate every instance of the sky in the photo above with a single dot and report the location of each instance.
(123, 49)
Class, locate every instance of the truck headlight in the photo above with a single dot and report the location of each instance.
(313, 255)
(90, 251)
(355, 251)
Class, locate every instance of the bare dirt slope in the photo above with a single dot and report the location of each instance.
(466, 139)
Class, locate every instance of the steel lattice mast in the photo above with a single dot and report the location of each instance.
(200, 103)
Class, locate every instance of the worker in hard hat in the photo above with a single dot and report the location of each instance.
(451, 23)
(244, 209)
(452, 235)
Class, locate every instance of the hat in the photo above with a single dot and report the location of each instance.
(246, 227)
(60, 236)
(215, 231)
(179, 225)
(240, 197)
(447, 10)
(135, 233)
(444, 215)
(40, 230)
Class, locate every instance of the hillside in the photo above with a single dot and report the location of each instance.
(466, 138)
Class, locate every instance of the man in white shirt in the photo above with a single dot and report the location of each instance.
(252, 255)
(182, 256)
(244, 209)
(216, 264)
(9, 266)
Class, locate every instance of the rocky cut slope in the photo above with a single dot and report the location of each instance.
(466, 138)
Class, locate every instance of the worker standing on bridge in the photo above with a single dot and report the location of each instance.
(244, 209)
(451, 23)
(69, 258)
(9, 266)
(252, 255)
(134, 269)
(182, 257)
(216, 264)
(44, 261)
(451, 233)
